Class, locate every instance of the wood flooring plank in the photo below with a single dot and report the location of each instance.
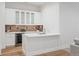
(17, 51)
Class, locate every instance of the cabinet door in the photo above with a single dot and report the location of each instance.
(10, 16)
(27, 19)
(32, 18)
(37, 17)
(17, 17)
(22, 17)
(10, 39)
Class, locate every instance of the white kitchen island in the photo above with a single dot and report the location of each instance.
(35, 44)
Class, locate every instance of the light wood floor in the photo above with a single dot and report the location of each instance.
(17, 51)
(13, 51)
(56, 53)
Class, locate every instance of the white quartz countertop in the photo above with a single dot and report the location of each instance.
(39, 35)
(21, 32)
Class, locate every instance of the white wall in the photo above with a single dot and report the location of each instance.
(21, 5)
(2, 22)
(50, 17)
(62, 18)
(69, 22)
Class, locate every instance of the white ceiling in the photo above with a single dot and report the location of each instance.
(23, 5)
(39, 4)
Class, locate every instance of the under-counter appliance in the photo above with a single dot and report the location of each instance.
(18, 39)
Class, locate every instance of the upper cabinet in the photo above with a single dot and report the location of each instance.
(15, 16)
(10, 16)
(27, 18)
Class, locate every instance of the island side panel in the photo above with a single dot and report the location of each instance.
(38, 45)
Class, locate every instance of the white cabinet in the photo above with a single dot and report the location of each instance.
(22, 17)
(37, 18)
(15, 16)
(27, 18)
(32, 17)
(10, 16)
(10, 39)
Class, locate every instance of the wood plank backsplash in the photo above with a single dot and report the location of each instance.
(23, 28)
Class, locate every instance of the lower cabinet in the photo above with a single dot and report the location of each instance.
(10, 39)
